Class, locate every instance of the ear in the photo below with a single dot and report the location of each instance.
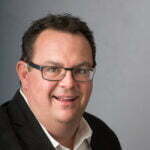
(22, 71)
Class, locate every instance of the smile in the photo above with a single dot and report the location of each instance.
(66, 98)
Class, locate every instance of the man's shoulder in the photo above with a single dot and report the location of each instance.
(102, 134)
(4, 117)
(10, 105)
(3, 110)
(7, 136)
(4, 105)
(95, 122)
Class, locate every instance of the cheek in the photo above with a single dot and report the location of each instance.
(86, 90)
(40, 88)
(45, 89)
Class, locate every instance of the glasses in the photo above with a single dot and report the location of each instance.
(56, 73)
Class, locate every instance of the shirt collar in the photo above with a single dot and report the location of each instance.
(83, 134)
(23, 95)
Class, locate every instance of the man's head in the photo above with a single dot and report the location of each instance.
(59, 92)
(64, 23)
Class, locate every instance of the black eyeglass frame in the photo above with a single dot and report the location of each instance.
(39, 67)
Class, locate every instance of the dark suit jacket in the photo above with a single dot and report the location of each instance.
(19, 129)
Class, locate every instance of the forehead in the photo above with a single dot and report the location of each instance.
(52, 45)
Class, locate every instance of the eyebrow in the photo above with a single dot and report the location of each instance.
(87, 64)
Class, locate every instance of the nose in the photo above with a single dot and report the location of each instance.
(68, 81)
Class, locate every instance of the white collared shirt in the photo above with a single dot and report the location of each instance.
(82, 139)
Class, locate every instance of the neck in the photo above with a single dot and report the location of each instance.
(59, 129)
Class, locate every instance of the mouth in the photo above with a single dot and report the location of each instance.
(65, 98)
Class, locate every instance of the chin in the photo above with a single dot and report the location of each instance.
(69, 117)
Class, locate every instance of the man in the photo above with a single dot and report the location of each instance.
(56, 70)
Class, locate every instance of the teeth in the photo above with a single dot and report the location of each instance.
(65, 98)
(55, 97)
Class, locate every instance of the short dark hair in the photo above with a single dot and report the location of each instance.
(60, 22)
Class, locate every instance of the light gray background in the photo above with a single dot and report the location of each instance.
(122, 82)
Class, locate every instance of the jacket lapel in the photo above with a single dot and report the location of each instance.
(26, 127)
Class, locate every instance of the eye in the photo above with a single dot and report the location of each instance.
(81, 71)
(52, 69)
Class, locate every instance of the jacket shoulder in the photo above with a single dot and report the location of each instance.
(4, 118)
(8, 138)
(103, 136)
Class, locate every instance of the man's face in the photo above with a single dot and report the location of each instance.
(66, 50)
